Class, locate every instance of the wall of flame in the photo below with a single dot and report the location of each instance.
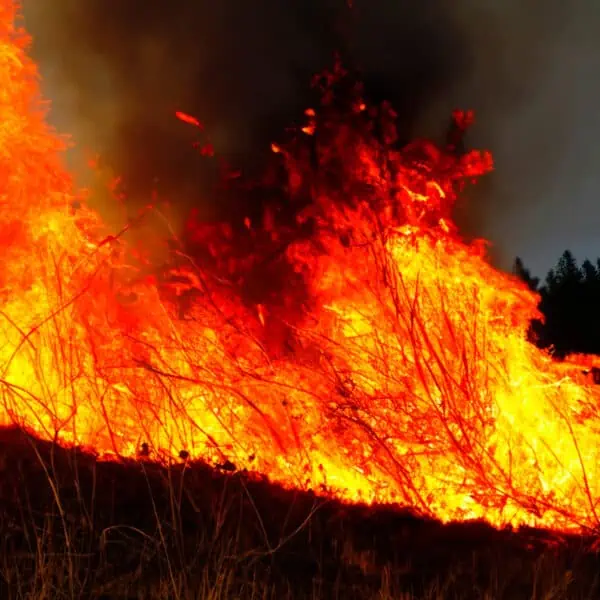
(410, 379)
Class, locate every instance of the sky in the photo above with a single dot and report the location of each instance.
(116, 70)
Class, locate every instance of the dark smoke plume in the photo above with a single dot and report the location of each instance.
(117, 70)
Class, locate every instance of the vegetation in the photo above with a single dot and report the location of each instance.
(570, 296)
(75, 527)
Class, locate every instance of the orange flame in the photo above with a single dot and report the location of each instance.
(410, 379)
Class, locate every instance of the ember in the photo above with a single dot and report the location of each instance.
(403, 373)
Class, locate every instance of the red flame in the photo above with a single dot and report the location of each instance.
(188, 119)
(393, 366)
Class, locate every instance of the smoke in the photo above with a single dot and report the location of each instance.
(534, 88)
(117, 71)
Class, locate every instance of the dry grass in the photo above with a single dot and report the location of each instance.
(72, 527)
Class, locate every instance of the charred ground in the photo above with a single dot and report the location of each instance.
(77, 527)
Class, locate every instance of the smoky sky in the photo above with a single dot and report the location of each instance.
(117, 70)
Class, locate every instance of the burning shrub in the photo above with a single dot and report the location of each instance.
(406, 376)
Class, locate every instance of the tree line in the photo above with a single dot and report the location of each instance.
(569, 301)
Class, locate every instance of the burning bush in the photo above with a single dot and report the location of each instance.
(393, 366)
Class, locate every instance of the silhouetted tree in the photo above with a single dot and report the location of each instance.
(525, 274)
(569, 301)
(589, 272)
(567, 270)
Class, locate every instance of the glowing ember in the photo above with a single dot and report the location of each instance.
(188, 119)
(404, 375)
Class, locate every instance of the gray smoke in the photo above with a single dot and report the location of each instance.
(535, 89)
(117, 70)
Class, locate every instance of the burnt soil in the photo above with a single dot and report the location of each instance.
(127, 525)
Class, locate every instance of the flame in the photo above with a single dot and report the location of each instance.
(189, 119)
(410, 378)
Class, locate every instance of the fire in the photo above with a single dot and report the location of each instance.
(188, 119)
(404, 375)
